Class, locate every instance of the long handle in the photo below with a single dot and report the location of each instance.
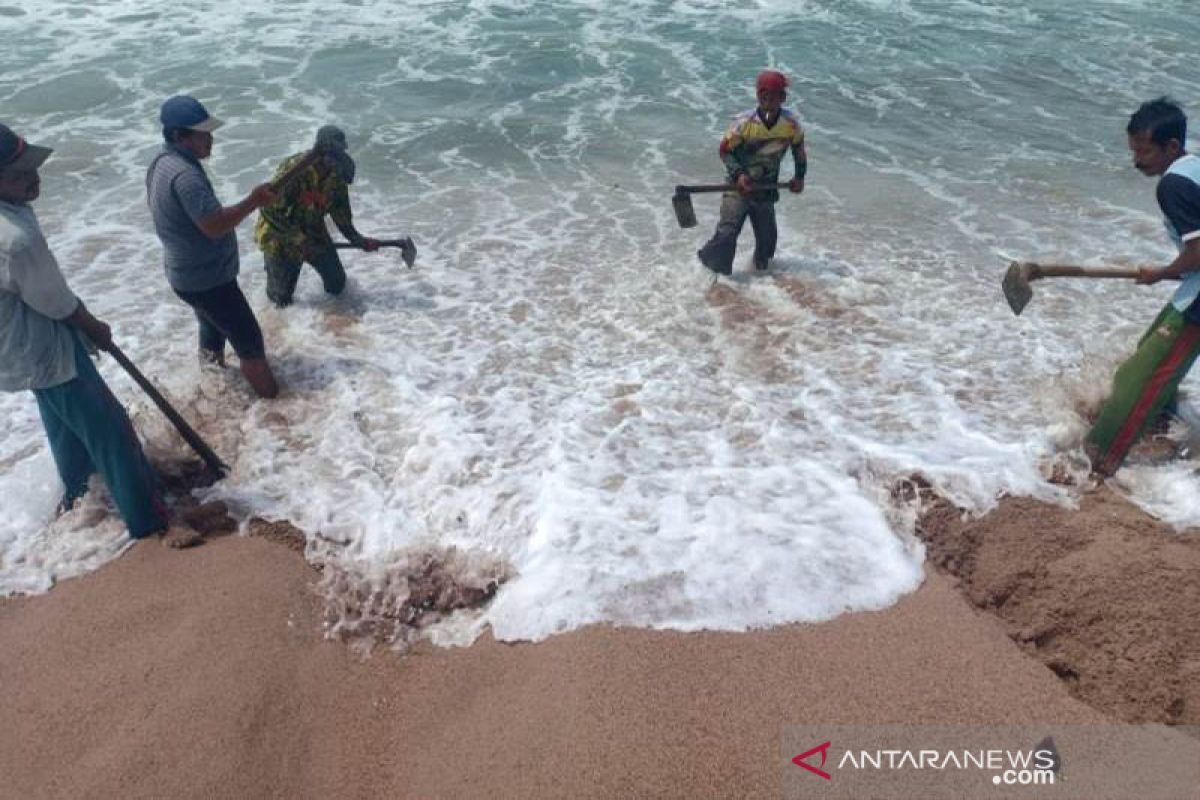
(1070, 271)
(382, 243)
(280, 183)
(190, 436)
(725, 187)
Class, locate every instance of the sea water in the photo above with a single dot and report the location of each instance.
(558, 387)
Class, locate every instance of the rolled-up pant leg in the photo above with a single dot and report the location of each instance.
(88, 430)
(1142, 387)
(718, 253)
(766, 234)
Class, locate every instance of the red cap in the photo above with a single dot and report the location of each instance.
(770, 80)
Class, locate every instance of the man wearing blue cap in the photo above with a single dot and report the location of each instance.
(200, 252)
(43, 330)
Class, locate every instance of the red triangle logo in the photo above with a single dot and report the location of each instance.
(823, 750)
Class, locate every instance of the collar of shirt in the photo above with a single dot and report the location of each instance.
(171, 147)
(763, 116)
(21, 216)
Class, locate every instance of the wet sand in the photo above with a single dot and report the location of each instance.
(204, 673)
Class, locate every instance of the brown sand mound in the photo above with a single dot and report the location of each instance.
(1104, 596)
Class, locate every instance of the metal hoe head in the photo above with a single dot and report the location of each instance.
(408, 251)
(684, 213)
(1017, 290)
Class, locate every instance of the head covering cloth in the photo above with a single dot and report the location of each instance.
(331, 143)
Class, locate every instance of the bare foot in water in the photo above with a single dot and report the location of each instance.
(180, 537)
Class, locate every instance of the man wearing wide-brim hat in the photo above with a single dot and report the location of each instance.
(43, 330)
(200, 252)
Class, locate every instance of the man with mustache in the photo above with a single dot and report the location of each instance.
(45, 331)
(200, 252)
(1145, 385)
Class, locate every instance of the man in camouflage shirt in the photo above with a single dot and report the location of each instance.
(292, 230)
(752, 150)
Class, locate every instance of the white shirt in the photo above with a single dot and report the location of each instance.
(1186, 166)
(37, 349)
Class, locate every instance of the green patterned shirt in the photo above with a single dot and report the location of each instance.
(295, 222)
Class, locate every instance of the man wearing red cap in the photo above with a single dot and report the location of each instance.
(43, 331)
(752, 150)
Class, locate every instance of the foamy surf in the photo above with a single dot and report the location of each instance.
(557, 388)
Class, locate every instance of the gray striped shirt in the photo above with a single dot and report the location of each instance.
(180, 195)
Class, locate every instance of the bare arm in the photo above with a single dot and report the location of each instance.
(217, 225)
(343, 217)
(1187, 261)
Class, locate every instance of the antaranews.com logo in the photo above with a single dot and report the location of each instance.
(1096, 762)
(1005, 767)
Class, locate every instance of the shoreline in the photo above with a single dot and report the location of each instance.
(205, 673)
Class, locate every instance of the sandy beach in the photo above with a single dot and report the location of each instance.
(205, 674)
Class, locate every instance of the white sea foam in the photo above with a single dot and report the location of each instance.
(557, 386)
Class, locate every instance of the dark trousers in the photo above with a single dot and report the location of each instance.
(283, 274)
(89, 432)
(224, 315)
(718, 253)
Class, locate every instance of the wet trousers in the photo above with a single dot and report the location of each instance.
(717, 254)
(89, 432)
(1143, 385)
(283, 274)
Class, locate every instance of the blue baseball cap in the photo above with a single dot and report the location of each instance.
(182, 111)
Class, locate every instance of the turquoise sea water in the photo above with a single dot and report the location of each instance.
(558, 388)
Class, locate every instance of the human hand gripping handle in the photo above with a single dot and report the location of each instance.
(96, 330)
(796, 186)
(262, 195)
(227, 219)
(266, 193)
(408, 250)
(100, 334)
(1150, 275)
(282, 182)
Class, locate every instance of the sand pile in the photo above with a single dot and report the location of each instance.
(1106, 597)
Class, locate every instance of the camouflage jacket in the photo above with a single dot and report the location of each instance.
(295, 222)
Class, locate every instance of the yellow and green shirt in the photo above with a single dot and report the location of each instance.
(296, 220)
(752, 148)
